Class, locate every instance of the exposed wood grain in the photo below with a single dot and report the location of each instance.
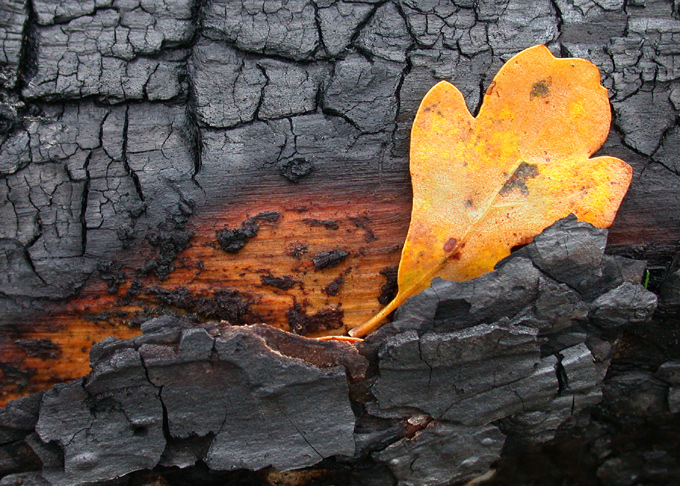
(370, 224)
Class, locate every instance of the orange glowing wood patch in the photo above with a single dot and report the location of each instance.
(291, 274)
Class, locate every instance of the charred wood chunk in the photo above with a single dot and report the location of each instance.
(295, 169)
(549, 307)
(284, 283)
(626, 304)
(428, 457)
(389, 290)
(232, 241)
(329, 259)
(508, 361)
(309, 411)
(333, 288)
(434, 372)
(104, 436)
(302, 323)
(18, 419)
(232, 396)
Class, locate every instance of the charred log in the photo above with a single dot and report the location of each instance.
(467, 375)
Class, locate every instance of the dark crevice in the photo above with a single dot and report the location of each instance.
(397, 94)
(63, 19)
(260, 54)
(320, 50)
(364, 23)
(337, 113)
(28, 57)
(31, 265)
(83, 203)
(166, 424)
(194, 130)
(562, 378)
(260, 101)
(126, 164)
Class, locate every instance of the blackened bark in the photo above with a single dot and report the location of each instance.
(467, 375)
(120, 122)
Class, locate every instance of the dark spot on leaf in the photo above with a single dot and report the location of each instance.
(431, 107)
(541, 89)
(518, 180)
(450, 245)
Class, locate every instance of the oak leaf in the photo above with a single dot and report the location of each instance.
(483, 185)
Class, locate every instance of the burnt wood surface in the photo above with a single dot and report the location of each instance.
(467, 373)
(248, 162)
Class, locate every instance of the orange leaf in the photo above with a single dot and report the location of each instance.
(484, 185)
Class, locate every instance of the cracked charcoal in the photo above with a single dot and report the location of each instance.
(463, 377)
(290, 30)
(117, 119)
(425, 459)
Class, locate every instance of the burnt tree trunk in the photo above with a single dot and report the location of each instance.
(220, 161)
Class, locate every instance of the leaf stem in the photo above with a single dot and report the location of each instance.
(376, 321)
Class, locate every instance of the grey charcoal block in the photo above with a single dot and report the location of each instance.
(442, 454)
